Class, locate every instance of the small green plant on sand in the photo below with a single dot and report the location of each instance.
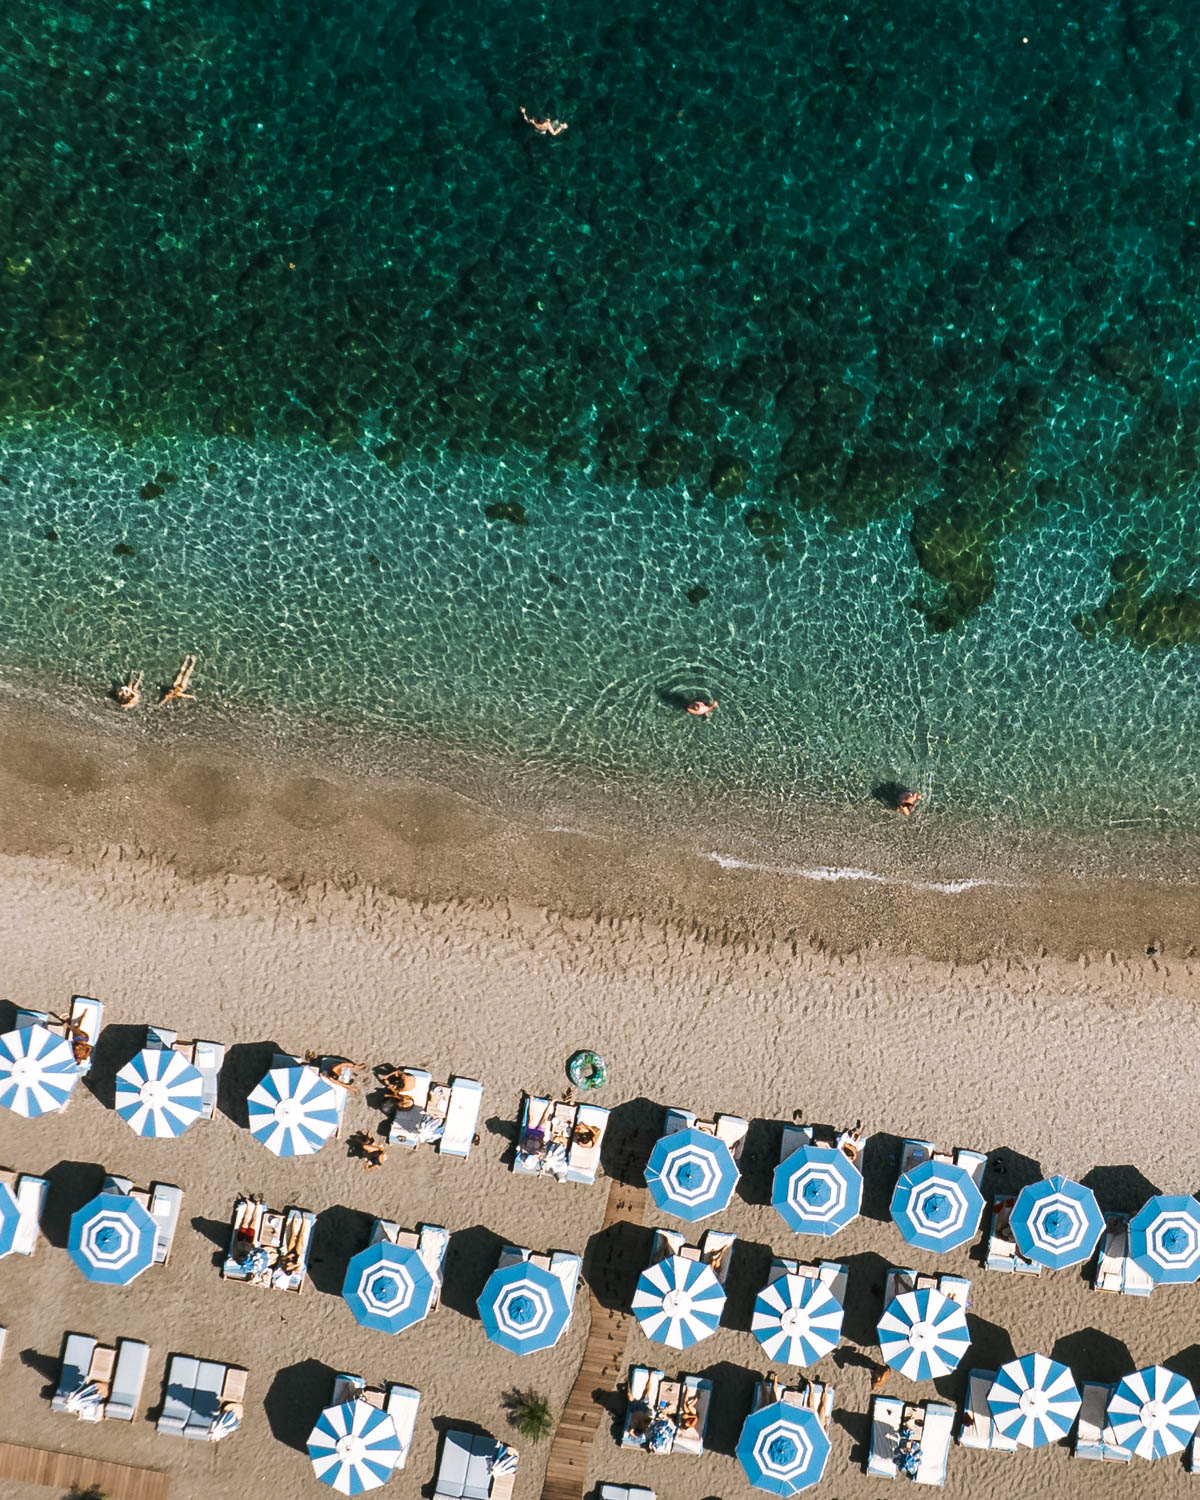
(530, 1414)
(92, 1492)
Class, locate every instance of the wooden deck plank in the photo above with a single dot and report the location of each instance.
(602, 1362)
(60, 1471)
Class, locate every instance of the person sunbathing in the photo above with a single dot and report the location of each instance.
(335, 1071)
(179, 688)
(585, 1135)
(129, 694)
(545, 126)
(81, 1047)
(373, 1152)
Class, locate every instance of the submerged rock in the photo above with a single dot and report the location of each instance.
(764, 523)
(729, 477)
(511, 511)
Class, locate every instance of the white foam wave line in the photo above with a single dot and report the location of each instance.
(833, 873)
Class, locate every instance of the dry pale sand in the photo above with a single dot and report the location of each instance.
(1051, 1063)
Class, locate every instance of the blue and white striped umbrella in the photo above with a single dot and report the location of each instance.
(294, 1111)
(783, 1449)
(678, 1302)
(1056, 1222)
(524, 1308)
(37, 1071)
(111, 1239)
(937, 1206)
(923, 1334)
(354, 1447)
(159, 1093)
(10, 1218)
(691, 1174)
(388, 1287)
(817, 1190)
(1034, 1400)
(797, 1319)
(1153, 1412)
(1164, 1237)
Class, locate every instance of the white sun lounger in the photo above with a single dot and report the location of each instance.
(566, 1265)
(462, 1116)
(936, 1432)
(886, 1412)
(1116, 1270)
(401, 1404)
(208, 1059)
(30, 1193)
(165, 1203)
(1090, 1441)
(716, 1251)
(691, 1439)
(977, 1428)
(127, 1381)
(583, 1162)
(732, 1129)
(206, 1400)
(78, 1349)
(346, 1388)
(626, 1492)
(177, 1394)
(1001, 1251)
(641, 1390)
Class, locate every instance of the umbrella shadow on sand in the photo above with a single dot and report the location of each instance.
(753, 1266)
(338, 1234)
(880, 1166)
(471, 1258)
(760, 1155)
(72, 1184)
(733, 1396)
(868, 1276)
(858, 1425)
(242, 1071)
(295, 1399)
(633, 1128)
(1093, 1355)
(1119, 1190)
(1185, 1363)
(115, 1046)
(1008, 1171)
(614, 1259)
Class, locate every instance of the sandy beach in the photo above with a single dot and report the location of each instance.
(1050, 1059)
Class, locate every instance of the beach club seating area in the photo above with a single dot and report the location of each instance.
(268, 1248)
(665, 1416)
(428, 1113)
(679, 1299)
(560, 1140)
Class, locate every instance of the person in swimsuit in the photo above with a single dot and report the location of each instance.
(701, 708)
(546, 126)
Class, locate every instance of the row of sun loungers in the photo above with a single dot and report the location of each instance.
(927, 1424)
(666, 1416)
(30, 1194)
(715, 1249)
(560, 1140)
(98, 1381)
(268, 1248)
(475, 1467)
(444, 1114)
(161, 1201)
(731, 1129)
(206, 1057)
(202, 1399)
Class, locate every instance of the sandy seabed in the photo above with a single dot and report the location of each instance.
(1053, 1064)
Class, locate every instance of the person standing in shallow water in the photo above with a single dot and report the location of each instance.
(702, 708)
(906, 801)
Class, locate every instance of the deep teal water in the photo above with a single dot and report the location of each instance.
(839, 360)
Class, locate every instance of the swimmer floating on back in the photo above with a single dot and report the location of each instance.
(546, 126)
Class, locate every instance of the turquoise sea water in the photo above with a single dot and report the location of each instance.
(839, 361)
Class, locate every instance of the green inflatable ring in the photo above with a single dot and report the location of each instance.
(587, 1069)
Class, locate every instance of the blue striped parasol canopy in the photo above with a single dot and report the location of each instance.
(691, 1174)
(678, 1302)
(354, 1447)
(294, 1111)
(37, 1071)
(1153, 1412)
(388, 1287)
(1164, 1238)
(797, 1319)
(10, 1218)
(936, 1206)
(1034, 1400)
(783, 1449)
(1056, 1222)
(111, 1239)
(159, 1093)
(817, 1190)
(524, 1308)
(923, 1334)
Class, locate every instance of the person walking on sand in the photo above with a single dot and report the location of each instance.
(545, 126)
(129, 694)
(906, 801)
(702, 708)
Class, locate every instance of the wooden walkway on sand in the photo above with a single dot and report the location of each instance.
(62, 1470)
(601, 1367)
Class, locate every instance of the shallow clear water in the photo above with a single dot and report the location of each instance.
(837, 361)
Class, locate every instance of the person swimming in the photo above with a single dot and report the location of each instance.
(701, 708)
(546, 126)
